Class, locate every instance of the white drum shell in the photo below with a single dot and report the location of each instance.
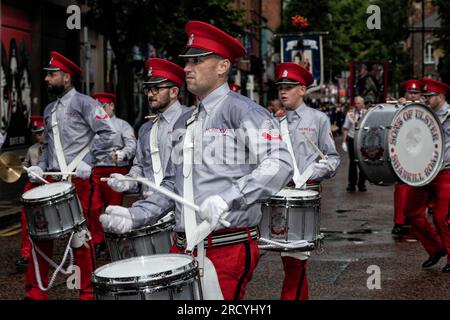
(170, 282)
(55, 214)
(148, 240)
(298, 216)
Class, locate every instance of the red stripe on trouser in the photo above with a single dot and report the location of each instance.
(295, 285)
(84, 257)
(232, 270)
(432, 239)
(103, 196)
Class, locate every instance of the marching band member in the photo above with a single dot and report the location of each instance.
(71, 122)
(351, 119)
(412, 93)
(31, 159)
(223, 187)
(162, 88)
(301, 120)
(108, 161)
(436, 241)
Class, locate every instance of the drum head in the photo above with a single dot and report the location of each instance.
(145, 267)
(296, 193)
(416, 145)
(47, 190)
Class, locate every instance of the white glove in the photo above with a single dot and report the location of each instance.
(119, 185)
(321, 169)
(83, 170)
(344, 147)
(116, 219)
(212, 209)
(37, 171)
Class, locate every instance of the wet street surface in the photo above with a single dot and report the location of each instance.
(357, 238)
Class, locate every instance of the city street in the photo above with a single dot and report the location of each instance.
(357, 228)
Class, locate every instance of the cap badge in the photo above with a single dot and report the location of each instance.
(51, 60)
(413, 86)
(150, 72)
(425, 88)
(191, 40)
(285, 73)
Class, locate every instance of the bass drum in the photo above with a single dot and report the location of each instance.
(396, 142)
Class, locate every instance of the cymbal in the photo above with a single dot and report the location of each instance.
(10, 167)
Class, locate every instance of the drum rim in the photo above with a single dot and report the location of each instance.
(315, 196)
(144, 231)
(71, 190)
(189, 269)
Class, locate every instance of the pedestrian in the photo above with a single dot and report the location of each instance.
(71, 122)
(115, 159)
(436, 241)
(31, 159)
(303, 123)
(276, 108)
(351, 120)
(224, 188)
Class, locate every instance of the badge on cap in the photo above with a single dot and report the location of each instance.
(51, 60)
(191, 40)
(413, 86)
(425, 88)
(285, 73)
(150, 71)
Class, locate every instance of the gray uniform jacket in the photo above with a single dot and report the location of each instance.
(442, 113)
(238, 155)
(316, 125)
(123, 140)
(142, 163)
(33, 154)
(79, 118)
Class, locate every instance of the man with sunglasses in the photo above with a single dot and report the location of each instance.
(116, 159)
(436, 241)
(162, 88)
(229, 157)
(301, 127)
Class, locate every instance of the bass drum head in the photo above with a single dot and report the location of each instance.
(416, 146)
(47, 191)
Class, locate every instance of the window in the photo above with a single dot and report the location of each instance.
(428, 54)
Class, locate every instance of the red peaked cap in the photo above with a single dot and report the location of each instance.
(234, 87)
(159, 70)
(105, 97)
(412, 85)
(432, 86)
(204, 36)
(60, 63)
(37, 123)
(293, 73)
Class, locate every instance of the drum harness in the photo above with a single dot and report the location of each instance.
(80, 235)
(300, 183)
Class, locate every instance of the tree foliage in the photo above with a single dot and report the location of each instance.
(443, 35)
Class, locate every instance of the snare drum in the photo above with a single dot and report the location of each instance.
(290, 216)
(157, 277)
(148, 240)
(396, 142)
(52, 210)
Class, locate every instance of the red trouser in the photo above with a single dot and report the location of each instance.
(84, 257)
(400, 196)
(295, 284)
(432, 239)
(25, 249)
(234, 266)
(103, 196)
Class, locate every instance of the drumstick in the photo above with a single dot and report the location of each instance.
(35, 175)
(324, 157)
(168, 193)
(59, 173)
